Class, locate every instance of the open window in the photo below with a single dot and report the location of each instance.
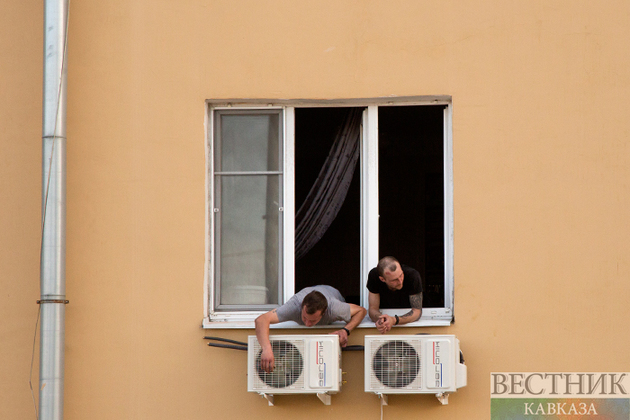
(263, 162)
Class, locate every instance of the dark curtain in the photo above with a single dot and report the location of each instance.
(321, 205)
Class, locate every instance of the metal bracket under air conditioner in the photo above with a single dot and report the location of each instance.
(382, 398)
(325, 398)
(443, 398)
(268, 397)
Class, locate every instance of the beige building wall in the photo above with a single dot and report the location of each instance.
(541, 187)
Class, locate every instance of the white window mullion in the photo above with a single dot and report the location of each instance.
(448, 209)
(289, 204)
(369, 196)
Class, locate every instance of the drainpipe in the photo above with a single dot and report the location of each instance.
(53, 252)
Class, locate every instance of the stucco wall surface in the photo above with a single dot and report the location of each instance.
(541, 187)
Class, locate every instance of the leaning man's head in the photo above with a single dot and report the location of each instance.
(313, 307)
(390, 273)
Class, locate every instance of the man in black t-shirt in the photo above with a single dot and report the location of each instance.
(394, 286)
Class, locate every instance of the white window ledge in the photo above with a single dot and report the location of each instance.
(431, 317)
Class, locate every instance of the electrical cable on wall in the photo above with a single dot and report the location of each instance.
(30, 380)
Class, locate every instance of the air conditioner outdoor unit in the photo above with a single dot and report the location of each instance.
(304, 364)
(413, 364)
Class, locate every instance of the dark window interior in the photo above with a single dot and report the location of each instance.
(335, 259)
(411, 192)
(411, 198)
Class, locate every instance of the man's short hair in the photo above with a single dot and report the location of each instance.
(386, 263)
(315, 301)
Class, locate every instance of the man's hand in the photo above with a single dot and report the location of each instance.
(267, 361)
(343, 337)
(385, 323)
(357, 313)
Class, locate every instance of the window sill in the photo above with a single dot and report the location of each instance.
(430, 318)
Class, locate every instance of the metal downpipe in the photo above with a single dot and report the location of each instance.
(53, 252)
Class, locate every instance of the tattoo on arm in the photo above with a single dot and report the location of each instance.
(416, 303)
(410, 313)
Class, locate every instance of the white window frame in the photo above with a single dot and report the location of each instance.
(369, 205)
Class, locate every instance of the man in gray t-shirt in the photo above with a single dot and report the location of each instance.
(317, 305)
(338, 309)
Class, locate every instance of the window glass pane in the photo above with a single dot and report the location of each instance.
(248, 239)
(248, 143)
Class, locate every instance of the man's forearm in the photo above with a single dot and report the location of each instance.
(374, 314)
(356, 319)
(262, 331)
(411, 316)
(415, 301)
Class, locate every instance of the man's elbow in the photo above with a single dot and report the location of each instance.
(260, 322)
(418, 314)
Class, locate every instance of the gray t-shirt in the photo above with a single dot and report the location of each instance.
(338, 309)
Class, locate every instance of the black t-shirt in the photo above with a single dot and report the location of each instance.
(412, 285)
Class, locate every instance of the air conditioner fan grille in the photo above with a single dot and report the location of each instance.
(288, 365)
(396, 364)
